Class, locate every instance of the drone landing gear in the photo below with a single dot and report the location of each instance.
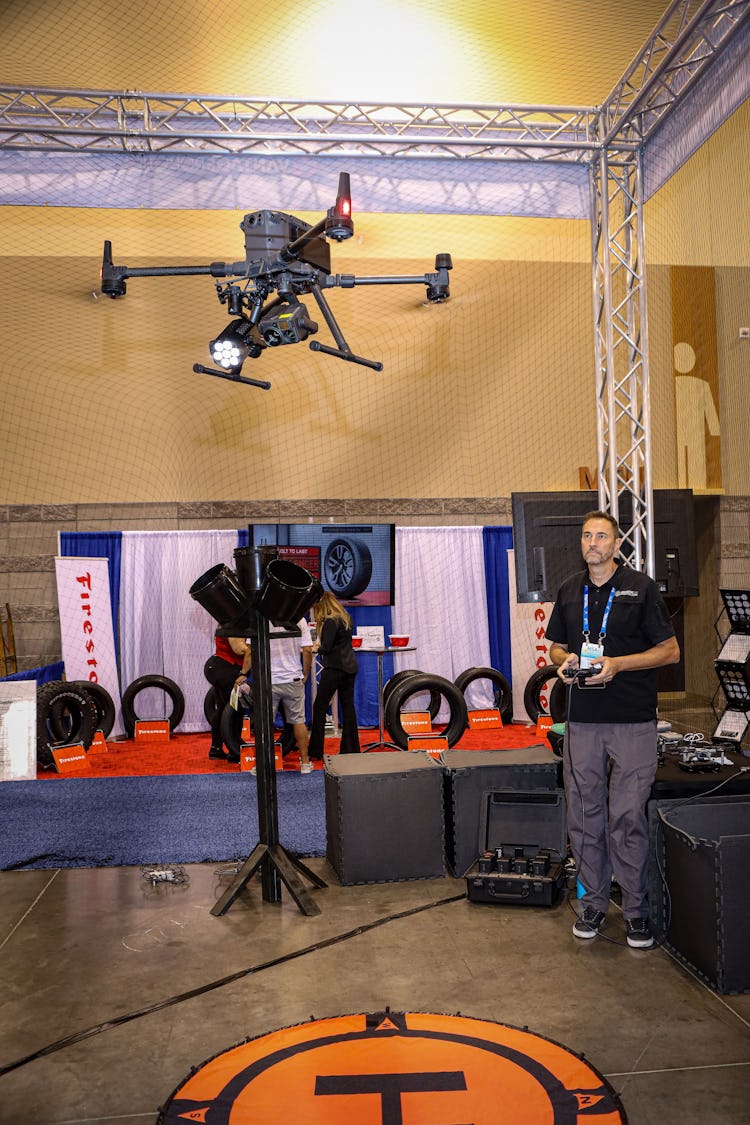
(199, 369)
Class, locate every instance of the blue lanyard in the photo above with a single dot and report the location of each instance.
(605, 619)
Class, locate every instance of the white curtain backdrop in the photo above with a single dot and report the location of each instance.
(441, 602)
(163, 631)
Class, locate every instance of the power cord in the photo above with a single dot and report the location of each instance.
(128, 1017)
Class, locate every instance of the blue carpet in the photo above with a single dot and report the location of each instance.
(113, 822)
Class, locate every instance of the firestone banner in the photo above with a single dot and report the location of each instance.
(528, 643)
(88, 645)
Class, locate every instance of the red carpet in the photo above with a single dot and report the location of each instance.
(188, 753)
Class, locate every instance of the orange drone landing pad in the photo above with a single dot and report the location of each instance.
(396, 1068)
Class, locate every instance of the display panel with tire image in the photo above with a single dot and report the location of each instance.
(347, 567)
(356, 562)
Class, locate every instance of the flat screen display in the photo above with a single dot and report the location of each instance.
(356, 562)
(547, 541)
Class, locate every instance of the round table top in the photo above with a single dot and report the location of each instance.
(390, 648)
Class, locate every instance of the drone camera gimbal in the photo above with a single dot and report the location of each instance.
(285, 258)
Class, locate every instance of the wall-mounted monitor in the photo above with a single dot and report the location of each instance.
(356, 562)
(547, 541)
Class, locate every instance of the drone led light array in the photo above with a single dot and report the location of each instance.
(285, 259)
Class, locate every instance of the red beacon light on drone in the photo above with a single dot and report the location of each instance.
(338, 224)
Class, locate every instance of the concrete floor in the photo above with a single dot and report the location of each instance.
(82, 948)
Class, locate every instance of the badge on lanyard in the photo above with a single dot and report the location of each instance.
(592, 653)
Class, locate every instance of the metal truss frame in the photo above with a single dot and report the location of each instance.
(623, 426)
(609, 139)
(63, 120)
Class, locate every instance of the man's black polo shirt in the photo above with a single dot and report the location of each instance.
(638, 620)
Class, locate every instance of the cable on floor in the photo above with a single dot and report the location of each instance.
(118, 1021)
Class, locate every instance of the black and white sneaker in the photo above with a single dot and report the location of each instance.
(638, 933)
(589, 923)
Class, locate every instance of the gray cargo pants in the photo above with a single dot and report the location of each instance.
(609, 770)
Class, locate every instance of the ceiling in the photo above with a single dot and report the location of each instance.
(535, 52)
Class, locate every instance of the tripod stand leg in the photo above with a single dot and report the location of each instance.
(275, 861)
(285, 867)
(316, 879)
(242, 878)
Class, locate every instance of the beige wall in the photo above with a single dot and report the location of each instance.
(104, 424)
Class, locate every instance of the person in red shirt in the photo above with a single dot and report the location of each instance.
(227, 668)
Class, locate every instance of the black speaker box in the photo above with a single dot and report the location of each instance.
(706, 861)
(472, 774)
(384, 817)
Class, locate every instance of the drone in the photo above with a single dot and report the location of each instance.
(285, 259)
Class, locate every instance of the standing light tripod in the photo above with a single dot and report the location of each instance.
(282, 592)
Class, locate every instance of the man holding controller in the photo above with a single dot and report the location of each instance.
(610, 630)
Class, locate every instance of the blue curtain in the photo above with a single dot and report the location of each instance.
(42, 675)
(497, 542)
(99, 545)
(366, 684)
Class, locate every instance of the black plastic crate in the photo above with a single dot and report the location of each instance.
(384, 817)
(706, 851)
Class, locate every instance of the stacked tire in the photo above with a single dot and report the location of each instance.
(67, 713)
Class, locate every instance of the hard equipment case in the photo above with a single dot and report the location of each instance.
(522, 853)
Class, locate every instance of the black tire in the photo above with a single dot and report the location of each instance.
(231, 728)
(532, 692)
(398, 677)
(502, 695)
(558, 702)
(81, 711)
(169, 687)
(424, 681)
(347, 567)
(104, 703)
(211, 706)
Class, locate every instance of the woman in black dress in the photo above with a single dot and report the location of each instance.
(334, 647)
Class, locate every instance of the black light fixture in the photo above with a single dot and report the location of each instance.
(234, 345)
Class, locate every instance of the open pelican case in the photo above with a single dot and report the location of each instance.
(522, 850)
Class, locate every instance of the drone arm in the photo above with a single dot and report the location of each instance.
(343, 351)
(348, 280)
(114, 277)
(438, 283)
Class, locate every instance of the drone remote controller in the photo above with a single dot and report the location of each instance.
(582, 675)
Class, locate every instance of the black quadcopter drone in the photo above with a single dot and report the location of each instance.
(284, 259)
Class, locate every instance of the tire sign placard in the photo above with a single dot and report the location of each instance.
(387, 1068)
(85, 609)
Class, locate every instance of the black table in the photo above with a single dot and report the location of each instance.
(380, 653)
